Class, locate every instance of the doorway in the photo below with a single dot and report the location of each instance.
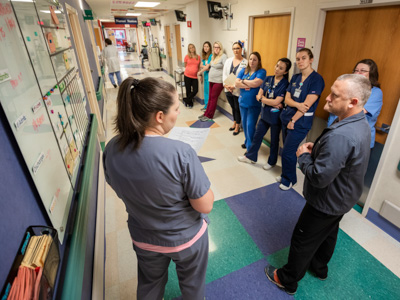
(271, 38)
(178, 45)
(85, 68)
(344, 43)
(168, 41)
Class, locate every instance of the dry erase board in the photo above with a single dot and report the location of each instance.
(47, 123)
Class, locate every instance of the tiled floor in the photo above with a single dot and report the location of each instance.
(251, 223)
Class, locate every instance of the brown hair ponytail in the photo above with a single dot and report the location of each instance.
(137, 101)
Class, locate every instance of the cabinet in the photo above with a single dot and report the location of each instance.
(154, 58)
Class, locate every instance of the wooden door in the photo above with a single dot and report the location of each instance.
(97, 34)
(93, 45)
(270, 39)
(375, 34)
(168, 41)
(178, 44)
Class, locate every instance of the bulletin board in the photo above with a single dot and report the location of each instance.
(41, 95)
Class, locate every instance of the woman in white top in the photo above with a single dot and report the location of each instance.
(110, 54)
(233, 65)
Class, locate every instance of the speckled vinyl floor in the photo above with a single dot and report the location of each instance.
(251, 223)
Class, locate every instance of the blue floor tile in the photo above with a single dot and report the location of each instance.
(269, 215)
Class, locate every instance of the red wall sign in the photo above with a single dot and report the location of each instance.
(189, 24)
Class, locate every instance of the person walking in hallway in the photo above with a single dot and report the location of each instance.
(110, 55)
(334, 168)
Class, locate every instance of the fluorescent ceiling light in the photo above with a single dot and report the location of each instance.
(22, 0)
(146, 4)
(134, 14)
(47, 11)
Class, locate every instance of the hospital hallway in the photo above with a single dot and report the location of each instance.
(251, 224)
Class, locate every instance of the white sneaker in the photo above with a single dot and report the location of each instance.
(278, 178)
(286, 188)
(245, 160)
(268, 167)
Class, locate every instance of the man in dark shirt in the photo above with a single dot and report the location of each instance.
(334, 168)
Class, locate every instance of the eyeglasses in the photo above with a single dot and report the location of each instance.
(235, 48)
(217, 47)
(360, 71)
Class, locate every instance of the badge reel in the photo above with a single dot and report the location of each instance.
(297, 93)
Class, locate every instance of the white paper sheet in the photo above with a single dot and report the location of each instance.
(195, 137)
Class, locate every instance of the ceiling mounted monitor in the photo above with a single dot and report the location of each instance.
(180, 16)
(214, 10)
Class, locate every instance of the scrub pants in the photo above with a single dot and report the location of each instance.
(191, 266)
(291, 141)
(206, 88)
(249, 120)
(312, 246)
(215, 90)
(261, 130)
(234, 103)
(111, 76)
(192, 87)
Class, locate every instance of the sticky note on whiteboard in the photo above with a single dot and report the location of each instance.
(4, 75)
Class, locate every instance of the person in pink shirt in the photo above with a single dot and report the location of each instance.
(192, 66)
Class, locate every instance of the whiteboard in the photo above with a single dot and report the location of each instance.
(37, 131)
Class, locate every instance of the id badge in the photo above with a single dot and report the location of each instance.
(297, 93)
(271, 95)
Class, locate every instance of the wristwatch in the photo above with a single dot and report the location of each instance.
(293, 121)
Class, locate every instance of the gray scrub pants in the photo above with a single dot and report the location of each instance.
(191, 266)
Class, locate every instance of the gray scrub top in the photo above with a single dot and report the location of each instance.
(155, 182)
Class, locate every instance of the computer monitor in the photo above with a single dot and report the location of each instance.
(213, 12)
(153, 22)
(180, 16)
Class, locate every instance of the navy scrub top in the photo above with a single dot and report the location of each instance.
(271, 91)
(313, 85)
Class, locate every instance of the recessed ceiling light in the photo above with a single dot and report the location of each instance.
(47, 11)
(146, 4)
(134, 14)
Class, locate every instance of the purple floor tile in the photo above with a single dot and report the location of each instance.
(200, 124)
(269, 215)
(247, 283)
(205, 159)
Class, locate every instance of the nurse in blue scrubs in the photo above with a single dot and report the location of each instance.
(249, 81)
(271, 95)
(372, 109)
(301, 101)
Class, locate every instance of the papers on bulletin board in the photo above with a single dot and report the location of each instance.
(195, 137)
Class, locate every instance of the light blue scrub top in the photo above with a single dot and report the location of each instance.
(373, 108)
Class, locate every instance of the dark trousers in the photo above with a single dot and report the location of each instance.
(191, 266)
(261, 130)
(312, 245)
(291, 141)
(234, 103)
(215, 90)
(192, 87)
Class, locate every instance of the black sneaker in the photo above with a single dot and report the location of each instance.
(115, 85)
(270, 271)
(320, 277)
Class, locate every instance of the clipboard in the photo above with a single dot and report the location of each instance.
(230, 80)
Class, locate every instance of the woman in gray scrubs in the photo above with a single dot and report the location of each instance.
(164, 187)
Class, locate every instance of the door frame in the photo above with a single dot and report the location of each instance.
(76, 31)
(279, 12)
(318, 36)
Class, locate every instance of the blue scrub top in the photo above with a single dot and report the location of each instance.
(313, 85)
(206, 62)
(269, 113)
(248, 96)
(373, 108)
